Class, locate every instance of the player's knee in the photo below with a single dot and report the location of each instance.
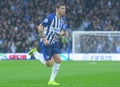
(57, 58)
(48, 64)
(58, 61)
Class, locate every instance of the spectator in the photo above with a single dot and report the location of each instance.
(19, 19)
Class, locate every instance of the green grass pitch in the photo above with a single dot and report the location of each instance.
(31, 73)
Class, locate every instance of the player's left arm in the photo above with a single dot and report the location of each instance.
(64, 30)
(63, 33)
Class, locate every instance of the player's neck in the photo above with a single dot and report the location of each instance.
(58, 15)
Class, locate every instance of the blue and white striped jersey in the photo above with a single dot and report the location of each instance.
(52, 27)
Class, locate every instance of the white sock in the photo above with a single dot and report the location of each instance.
(55, 69)
(39, 57)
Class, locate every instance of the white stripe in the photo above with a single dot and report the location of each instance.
(59, 22)
(51, 37)
(53, 40)
(55, 22)
(51, 26)
(45, 30)
(48, 34)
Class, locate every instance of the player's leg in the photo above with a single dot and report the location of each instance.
(37, 55)
(49, 63)
(46, 61)
(46, 58)
(56, 65)
(47, 52)
(55, 69)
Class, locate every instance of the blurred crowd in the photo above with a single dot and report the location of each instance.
(98, 43)
(19, 20)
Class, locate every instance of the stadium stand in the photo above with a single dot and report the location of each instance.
(19, 20)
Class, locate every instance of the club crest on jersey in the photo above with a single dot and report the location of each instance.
(46, 20)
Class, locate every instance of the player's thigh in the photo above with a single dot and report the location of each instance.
(57, 58)
(56, 53)
(56, 49)
(49, 63)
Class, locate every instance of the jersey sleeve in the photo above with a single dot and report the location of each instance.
(47, 21)
(65, 27)
(63, 24)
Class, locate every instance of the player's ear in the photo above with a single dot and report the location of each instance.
(57, 9)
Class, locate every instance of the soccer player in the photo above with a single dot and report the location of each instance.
(50, 29)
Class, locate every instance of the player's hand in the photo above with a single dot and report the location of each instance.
(66, 34)
(45, 41)
(61, 33)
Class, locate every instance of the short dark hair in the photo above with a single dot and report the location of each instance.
(60, 4)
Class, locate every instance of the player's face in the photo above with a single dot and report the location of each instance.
(61, 10)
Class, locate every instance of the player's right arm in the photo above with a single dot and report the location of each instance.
(46, 22)
(41, 31)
